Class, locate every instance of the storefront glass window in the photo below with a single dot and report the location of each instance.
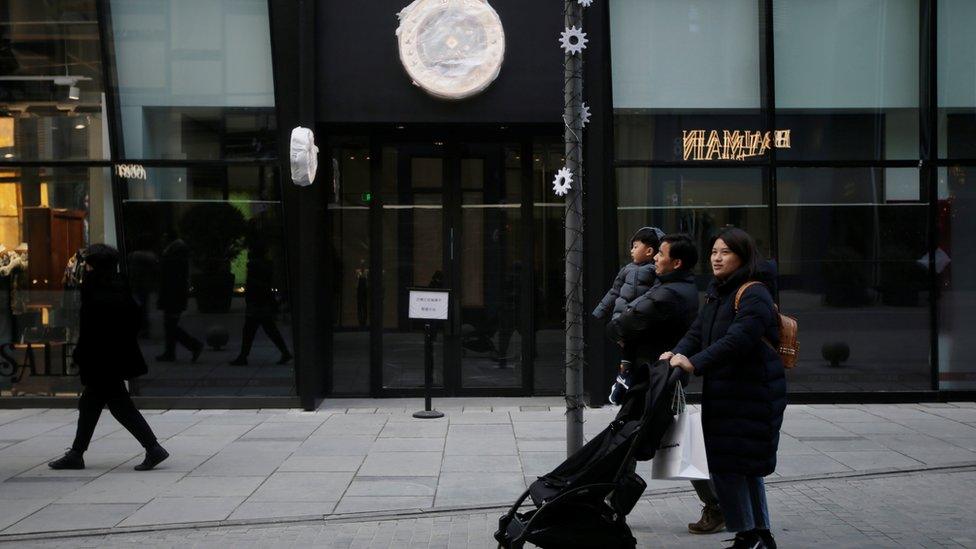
(846, 75)
(206, 261)
(854, 272)
(695, 201)
(682, 65)
(51, 89)
(957, 78)
(194, 78)
(349, 165)
(46, 216)
(549, 274)
(955, 259)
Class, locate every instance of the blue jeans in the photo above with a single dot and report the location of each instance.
(743, 501)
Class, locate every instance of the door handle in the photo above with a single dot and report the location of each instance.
(451, 243)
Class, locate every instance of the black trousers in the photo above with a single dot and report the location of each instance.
(174, 334)
(251, 325)
(114, 395)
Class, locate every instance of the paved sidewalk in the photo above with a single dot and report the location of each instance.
(372, 456)
(922, 509)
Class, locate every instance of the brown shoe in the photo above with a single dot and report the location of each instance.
(711, 521)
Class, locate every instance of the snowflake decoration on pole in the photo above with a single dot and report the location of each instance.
(584, 115)
(573, 40)
(563, 182)
(585, 3)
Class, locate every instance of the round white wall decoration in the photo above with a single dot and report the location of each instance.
(452, 49)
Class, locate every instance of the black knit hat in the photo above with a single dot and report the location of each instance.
(102, 258)
(650, 236)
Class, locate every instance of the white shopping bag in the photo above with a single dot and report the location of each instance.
(681, 453)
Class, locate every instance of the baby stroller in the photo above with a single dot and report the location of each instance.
(584, 502)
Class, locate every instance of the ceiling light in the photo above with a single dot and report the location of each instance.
(74, 93)
(8, 155)
(80, 126)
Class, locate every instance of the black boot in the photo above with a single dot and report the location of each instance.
(241, 360)
(71, 459)
(286, 357)
(767, 538)
(154, 456)
(747, 540)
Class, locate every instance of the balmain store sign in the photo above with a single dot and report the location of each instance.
(731, 144)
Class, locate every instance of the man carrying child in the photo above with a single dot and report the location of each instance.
(653, 322)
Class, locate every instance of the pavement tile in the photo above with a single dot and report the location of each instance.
(479, 445)
(408, 445)
(183, 509)
(336, 446)
(481, 430)
(23, 430)
(480, 418)
(213, 486)
(867, 460)
(17, 489)
(281, 509)
(392, 486)
(304, 486)
(540, 463)
(478, 488)
(841, 444)
(176, 462)
(77, 516)
(123, 487)
(401, 464)
(211, 428)
(940, 427)
(274, 430)
(13, 510)
(541, 430)
(362, 504)
(808, 464)
(323, 464)
(237, 463)
(419, 428)
(481, 464)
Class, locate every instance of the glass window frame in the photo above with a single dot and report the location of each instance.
(927, 160)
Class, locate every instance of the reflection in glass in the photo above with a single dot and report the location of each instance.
(194, 78)
(955, 262)
(847, 78)
(206, 261)
(682, 66)
(413, 256)
(47, 215)
(491, 270)
(51, 89)
(549, 270)
(352, 295)
(957, 78)
(854, 272)
(696, 201)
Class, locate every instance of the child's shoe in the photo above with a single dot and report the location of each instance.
(620, 385)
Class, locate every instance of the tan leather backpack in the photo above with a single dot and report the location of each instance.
(789, 345)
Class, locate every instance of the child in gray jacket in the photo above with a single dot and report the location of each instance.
(633, 281)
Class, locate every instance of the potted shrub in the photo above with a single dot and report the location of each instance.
(215, 233)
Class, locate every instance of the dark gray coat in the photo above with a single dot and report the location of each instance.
(657, 320)
(633, 281)
(744, 390)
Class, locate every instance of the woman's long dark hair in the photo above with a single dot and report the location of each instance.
(743, 245)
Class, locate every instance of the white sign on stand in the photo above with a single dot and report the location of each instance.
(429, 304)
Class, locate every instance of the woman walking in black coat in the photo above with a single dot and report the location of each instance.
(107, 354)
(744, 390)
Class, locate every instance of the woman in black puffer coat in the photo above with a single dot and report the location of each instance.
(744, 391)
